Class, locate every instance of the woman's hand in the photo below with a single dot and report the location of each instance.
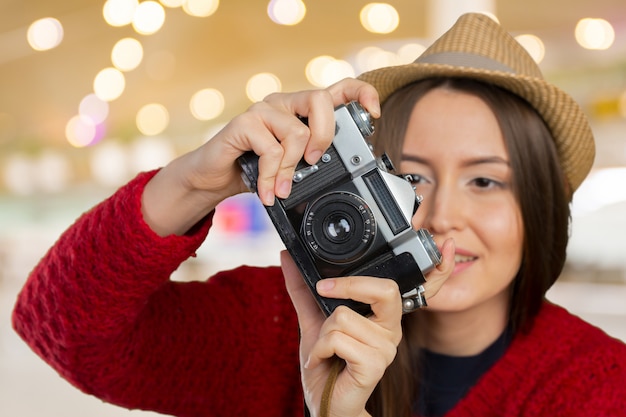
(192, 185)
(367, 344)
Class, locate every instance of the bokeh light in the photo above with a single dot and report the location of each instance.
(19, 175)
(207, 104)
(80, 131)
(261, 85)
(149, 17)
(94, 108)
(379, 18)
(148, 153)
(53, 171)
(109, 84)
(373, 57)
(286, 12)
(594, 34)
(127, 54)
(48, 171)
(45, 34)
(603, 187)
(490, 15)
(119, 12)
(152, 119)
(109, 164)
(533, 45)
(410, 52)
(172, 3)
(325, 70)
(200, 8)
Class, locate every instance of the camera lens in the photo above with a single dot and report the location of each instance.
(339, 227)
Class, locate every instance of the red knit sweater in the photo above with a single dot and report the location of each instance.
(101, 310)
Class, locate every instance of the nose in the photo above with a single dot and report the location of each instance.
(441, 210)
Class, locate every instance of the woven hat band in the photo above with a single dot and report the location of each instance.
(463, 59)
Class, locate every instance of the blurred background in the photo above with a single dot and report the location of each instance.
(94, 91)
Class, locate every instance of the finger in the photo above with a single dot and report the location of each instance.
(381, 294)
(364, 367)
(298, 140)
(335, 343)
(278, 137)
(318, 107)
(270, 157)
(364, 329)
(437, 277)
(254, 131)
(309, 141)
(367, 363)
(321, 121)
(293, 144)
(350, 89)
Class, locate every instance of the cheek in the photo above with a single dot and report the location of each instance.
(501, 229)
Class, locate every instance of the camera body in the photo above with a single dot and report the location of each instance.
(348, 215)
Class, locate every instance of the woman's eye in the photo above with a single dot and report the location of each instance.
(486, 183)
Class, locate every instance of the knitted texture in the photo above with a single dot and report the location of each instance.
(101, 310)
(563, 367)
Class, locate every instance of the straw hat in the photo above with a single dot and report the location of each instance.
(477, 47)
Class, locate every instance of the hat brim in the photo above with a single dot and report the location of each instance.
(572, 134)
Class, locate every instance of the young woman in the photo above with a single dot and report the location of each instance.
(496, 152)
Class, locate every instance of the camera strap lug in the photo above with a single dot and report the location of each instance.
(414, 299)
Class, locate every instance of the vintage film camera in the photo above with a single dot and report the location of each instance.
(347, 215)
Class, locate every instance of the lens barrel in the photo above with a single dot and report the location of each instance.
(429, 246)
(339, 227)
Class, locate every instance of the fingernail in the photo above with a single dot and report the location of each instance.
(268, 198)
(307, 363)
(314, 156)
(284, 188)
(325, 285)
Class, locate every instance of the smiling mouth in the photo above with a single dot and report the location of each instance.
(463, 258)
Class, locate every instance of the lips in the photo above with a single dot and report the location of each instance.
(458, 258)
(463, 260)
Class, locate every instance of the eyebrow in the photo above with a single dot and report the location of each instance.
(468, 162)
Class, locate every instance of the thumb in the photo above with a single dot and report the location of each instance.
(437, 277)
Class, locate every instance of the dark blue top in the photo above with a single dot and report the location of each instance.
(446, 379)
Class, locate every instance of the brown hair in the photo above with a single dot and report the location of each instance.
(540, 189)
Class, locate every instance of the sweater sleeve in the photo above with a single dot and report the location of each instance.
(101, 310)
